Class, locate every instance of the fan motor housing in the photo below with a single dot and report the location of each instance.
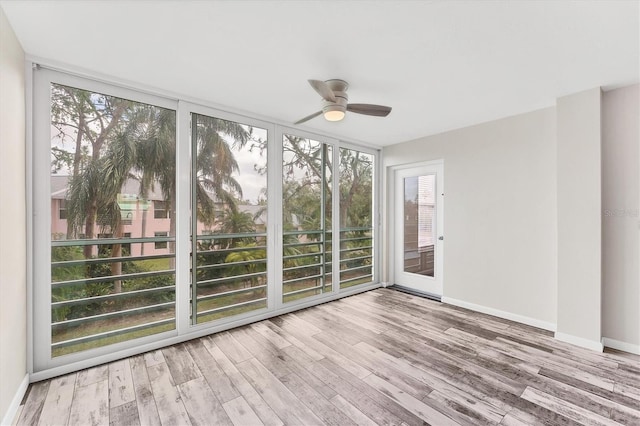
(339, 88)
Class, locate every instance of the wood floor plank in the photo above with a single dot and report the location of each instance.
(476, 410)
(35, 399)
(219, 383)
(273, 337)
(253, 398)
(315, 401)
(182, 367)
(154, 358)
(147, 409)
(232, 349)
(568, 410)
(286, 405)
(92, 375)
(404, 381)
(357, 416)
(121, 390)
(201, 404)
(57, 405)
(171, 409)
(350, 393)
(90, 404)
(414, 405)
(282, 331)
(240, 412)
(124, 414)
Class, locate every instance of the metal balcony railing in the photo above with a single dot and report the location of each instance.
(102, 300)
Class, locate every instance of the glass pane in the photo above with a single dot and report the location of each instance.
(306, 219)
(230, 187)
(419, 225)
(356, 217)
(111, 159)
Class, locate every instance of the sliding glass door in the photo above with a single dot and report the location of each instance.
(229, 218)
(306, 218)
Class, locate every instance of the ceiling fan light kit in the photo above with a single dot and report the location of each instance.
(335, 102)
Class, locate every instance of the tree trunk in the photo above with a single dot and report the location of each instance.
(116, 251)
(172, 230)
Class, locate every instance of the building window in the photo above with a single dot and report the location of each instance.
(161, 244)
(62, 209)
(160, 210)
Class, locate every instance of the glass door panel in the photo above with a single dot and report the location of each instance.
(229, 218)
(419, 226)
(307, 241)
(356, 217)
(112, 161)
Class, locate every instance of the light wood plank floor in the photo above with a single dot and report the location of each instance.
(381, 357)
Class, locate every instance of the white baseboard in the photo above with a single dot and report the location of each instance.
(501, 314)
(580, 341)
(385, 284)
(15, 402)
(621, 346)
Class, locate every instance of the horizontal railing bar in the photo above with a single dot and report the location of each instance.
(110, 241)
(94, 299)
(293, 280)
(222, 265)
(235, 277)
(110, 260)
(303, 290)
(231, 292)
(297, 256)
(302, 267)
(356, 278)
(228, 236)
(366, 228)
(231, 250)
(111, 333)
(313, 243)
(356, 248)
(346, 259)
(344, 240)
(120, 277)
(225, 308)
(306, 232)
(125, 312)
(355, 269)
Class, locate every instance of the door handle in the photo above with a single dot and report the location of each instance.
(441, 237)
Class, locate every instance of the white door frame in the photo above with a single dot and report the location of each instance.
(391, 221)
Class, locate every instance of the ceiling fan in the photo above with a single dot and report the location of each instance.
(335, 102)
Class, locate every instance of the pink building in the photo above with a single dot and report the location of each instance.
(141, 218)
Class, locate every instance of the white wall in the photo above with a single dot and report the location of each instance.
(13, 338)
(579, 218)
(499, 212)
(621, 221)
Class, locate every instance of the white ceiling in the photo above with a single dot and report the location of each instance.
(440, 64)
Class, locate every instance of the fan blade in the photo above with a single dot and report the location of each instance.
(308, 117)
(369, 109)
(323, 90)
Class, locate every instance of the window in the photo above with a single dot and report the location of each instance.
(307, 242)
(62, 209)
(229, 239)
(96, 297)
(160, 244)
(356, 217)
(160, 210)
